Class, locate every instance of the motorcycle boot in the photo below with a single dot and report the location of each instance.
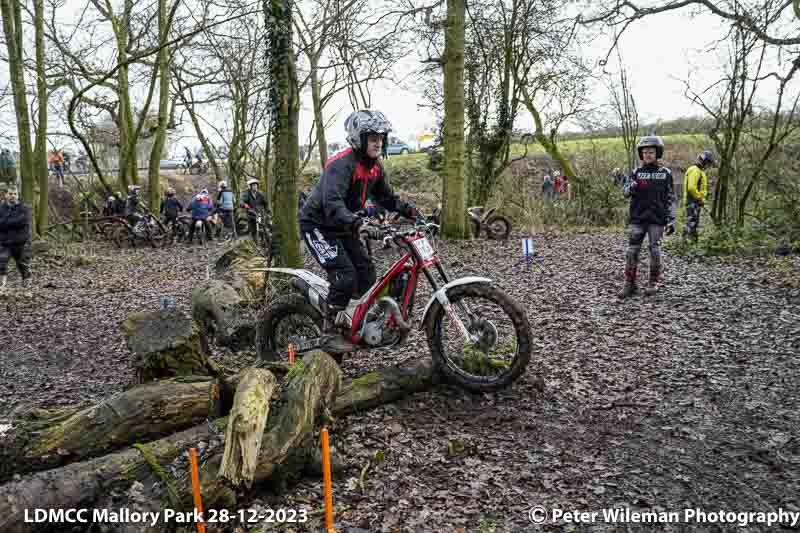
(334, 329)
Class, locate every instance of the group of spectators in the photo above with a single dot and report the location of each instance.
(556, 187)
(201, 206)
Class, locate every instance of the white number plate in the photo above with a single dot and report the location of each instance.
(424, 248)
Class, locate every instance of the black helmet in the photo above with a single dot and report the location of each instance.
(706, 158)
(651, 141)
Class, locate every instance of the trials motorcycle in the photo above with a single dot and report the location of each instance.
(478, 336)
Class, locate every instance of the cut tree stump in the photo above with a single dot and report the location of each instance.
(165, 344)
(235, 265)
(246, 426)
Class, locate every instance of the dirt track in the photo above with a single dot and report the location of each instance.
(688, 399)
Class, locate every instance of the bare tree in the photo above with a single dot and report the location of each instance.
(624, 107)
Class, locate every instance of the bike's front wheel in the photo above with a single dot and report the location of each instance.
(481, 339)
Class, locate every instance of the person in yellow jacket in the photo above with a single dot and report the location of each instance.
(695, 190)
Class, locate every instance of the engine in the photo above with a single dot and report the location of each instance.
(384, 324)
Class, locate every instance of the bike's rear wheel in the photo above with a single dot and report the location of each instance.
(291, 319)
(501, 348)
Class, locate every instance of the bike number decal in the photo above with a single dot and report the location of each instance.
(424, 249)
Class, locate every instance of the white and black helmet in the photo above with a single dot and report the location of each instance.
(363, 122)
(651, 141)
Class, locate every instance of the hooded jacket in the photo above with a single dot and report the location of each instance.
(346, 183)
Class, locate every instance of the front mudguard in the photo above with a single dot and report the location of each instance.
(441, 295)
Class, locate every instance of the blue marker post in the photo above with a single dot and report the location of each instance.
(528, 250)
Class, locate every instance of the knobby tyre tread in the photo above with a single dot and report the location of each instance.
(522, 329)
(271, 318)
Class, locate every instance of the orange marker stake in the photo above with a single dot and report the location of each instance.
(291, 354)
(326, 475)
(198, 503)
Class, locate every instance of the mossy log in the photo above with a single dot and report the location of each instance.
(165, 344)
(140, 414)
(246, 426)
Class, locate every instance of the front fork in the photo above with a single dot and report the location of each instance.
(449, 308)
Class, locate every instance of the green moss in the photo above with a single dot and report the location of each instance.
(151, 461)
(366, 380)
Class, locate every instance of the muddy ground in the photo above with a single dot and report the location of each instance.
(688, 399)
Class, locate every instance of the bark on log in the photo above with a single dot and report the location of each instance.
(165, 344)
(246, 426)
(140, 414)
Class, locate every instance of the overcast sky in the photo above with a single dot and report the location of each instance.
(659, 52)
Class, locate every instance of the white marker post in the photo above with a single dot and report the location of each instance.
(528, 250)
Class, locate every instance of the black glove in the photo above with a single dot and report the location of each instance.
(412, 212)
(670, 229)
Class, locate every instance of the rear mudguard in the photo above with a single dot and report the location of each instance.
(312, 287)
(441, 294)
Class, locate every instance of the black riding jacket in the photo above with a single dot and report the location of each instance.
(345, 185)
(652, 196)
(15, 223)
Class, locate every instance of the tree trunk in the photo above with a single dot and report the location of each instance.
(453, 203)
(547, 142)
(12, 27)
(316, 99)
(154, 177)
(40, 156)
(285, 102)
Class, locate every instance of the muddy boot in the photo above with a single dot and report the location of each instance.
(3, 285)
(333, 339)
(630, 287)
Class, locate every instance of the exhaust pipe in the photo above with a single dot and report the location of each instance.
(394, 311)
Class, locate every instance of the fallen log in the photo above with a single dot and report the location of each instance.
(139, 414)
(49, 439)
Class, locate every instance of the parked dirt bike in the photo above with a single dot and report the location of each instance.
(497, 226)
(479, 337)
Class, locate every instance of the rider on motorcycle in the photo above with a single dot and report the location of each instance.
(330, 226)
(132, 207)
(201, 208)
(170, 207)
(253, 200)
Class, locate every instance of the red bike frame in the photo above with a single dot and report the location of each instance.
(412, 262)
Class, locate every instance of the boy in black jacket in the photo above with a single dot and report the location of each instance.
(652, 210)
(15, 237)
(330, 226)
